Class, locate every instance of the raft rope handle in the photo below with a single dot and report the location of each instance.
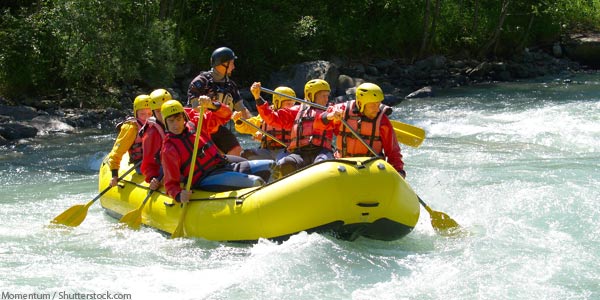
(360, 164)
(239, 200)
(171, 204)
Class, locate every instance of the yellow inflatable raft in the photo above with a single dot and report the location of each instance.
(347, 198)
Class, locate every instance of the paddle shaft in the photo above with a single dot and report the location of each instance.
(134, 217)
(74, 215)
(188, 185)
(323, 108)
(319, 106)
(150, 192)
(118, 179)
(179, 230)
(263, 131)
(431, 212)
(147, 197)
(424, 205)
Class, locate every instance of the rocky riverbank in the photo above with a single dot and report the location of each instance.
(23, 122)
(398, 79)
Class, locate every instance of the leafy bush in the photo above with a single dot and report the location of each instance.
(86, 46)
(78, 48)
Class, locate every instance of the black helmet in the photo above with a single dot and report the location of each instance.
(221, 55)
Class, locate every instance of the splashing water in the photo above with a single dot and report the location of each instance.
(517, 165)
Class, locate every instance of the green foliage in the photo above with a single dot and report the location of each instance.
(26, 57)
(89, 47)
(112, 41)
(86, 46)
(578, 15)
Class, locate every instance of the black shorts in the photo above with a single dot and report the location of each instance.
(224, 139)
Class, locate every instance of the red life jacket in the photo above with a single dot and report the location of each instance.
(303, 133)
(367, 128)
(208, 157)
(280, 133)
(151, 122)
(135, 151)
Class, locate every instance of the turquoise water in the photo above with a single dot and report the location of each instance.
(517, 165)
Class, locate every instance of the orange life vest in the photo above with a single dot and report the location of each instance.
(280, 133)
(303, 133)
(367, 128)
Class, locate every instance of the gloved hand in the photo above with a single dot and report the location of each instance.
(335, 114)
(184, 196)
(257, 136)
(255, 90)
(195, 103)
(236, 115)
(203, 101)
(154, 184)
(114, 181)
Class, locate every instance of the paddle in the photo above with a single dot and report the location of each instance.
(319, 106)
(77, 213)
(133, 219)
(439, 220)
(408, 134)
(405, 133)
(263, 131)
(180, 229)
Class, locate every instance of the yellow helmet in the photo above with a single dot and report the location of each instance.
(314, 86)
(368, 93)
(158, 97)
(140, 102)
(277, 99)
(171, 107)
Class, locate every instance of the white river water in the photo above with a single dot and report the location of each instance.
(516, 164)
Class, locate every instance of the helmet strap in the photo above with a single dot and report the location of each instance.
(161, 120)
(226, 65)
(218, 76)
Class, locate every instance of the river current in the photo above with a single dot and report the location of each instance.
(517, 165)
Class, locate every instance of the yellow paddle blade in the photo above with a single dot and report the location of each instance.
(407, 138)
(442, 223)
(408, 134)
(133, 219)
(73, 216)
(76, 214)
(180, 230)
